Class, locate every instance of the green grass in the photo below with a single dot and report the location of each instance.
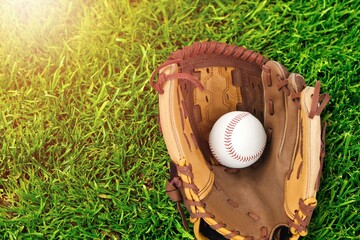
(81, 155)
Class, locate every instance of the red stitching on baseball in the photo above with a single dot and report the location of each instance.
(228, 143)
(212, 150)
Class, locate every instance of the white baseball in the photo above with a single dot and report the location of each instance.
(237, 139)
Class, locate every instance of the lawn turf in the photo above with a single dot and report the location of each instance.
(81, 154)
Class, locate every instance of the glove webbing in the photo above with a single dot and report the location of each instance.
(201, 48)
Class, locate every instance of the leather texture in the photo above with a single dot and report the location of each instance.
(199, 84)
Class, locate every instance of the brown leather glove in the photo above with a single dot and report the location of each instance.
(275, 197)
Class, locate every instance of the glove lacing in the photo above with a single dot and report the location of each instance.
(201, 48)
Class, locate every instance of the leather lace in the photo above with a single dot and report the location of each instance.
(174, 191)
(319, 101)
(302, 222)
(200, 48)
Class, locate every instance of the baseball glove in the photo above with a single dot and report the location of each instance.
(275, 197)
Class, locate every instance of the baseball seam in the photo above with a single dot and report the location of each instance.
(228, 141)
(213, 151)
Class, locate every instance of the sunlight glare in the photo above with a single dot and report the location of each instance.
(29, 10)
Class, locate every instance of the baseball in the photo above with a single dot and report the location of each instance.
(237, 139)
